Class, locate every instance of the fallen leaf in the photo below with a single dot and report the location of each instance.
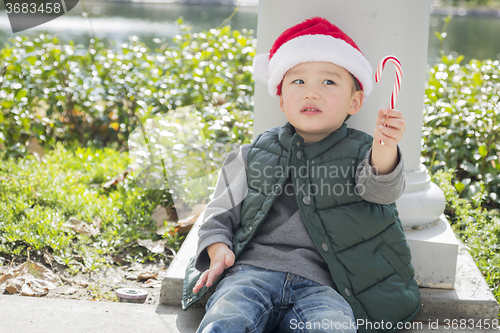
(33, 291)
(66, 280)
(81, 283)
(30, 279)
(131, 277)
(155, 247)
(152, 283)
(69, 291)
(35, 148)
(116, 180)
(47, 257)
(116, 260)
(81, 227)
(97, 222)
(184, 225)
(159, 216)
(14, 286)
(146, 276)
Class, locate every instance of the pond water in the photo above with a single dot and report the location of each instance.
(472, 36)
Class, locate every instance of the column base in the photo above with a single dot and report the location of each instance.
(434, 252)
(422, 203)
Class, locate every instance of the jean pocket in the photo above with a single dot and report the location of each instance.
(233, 270)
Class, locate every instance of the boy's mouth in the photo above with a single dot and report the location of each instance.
(310, 110)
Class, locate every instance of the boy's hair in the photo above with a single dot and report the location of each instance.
(315, 39)
(355, 87)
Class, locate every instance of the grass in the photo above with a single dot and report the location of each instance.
(477, 228)
(37, 200)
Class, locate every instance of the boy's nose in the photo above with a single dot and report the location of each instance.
(311, 93)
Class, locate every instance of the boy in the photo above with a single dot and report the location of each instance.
(316, 244)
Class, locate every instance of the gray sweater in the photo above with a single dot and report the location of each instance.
(282, 243)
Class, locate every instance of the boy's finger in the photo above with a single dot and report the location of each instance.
(201, 281)
(229, 261)
(392, 113)
(215, 272)
(393, 123)
(389, 132)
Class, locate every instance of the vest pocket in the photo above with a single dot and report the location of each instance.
(395, 262)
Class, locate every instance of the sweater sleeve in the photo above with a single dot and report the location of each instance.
(381, 189)
(222, 214)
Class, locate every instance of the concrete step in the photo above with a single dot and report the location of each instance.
(471, 299)
(20, 314)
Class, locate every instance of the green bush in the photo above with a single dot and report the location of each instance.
(99, 95)
(478, 228)
(37, 200)
(462, 125)
(67, 96)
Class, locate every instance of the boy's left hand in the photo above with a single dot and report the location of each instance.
(390, 126)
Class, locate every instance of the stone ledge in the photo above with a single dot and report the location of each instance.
(471, 298)
(171, 287)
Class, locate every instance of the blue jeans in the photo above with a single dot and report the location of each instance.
(251, 299)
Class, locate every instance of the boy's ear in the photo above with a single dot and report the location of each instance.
(282, 103)
(356, 102)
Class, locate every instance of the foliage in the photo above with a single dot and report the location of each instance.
(58, 92)
(462, 125)
(37, 200)
(478, 228)
(471, 3)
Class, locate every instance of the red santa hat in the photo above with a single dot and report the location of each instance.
(315, 39)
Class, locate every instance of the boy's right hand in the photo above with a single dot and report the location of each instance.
(221, 258)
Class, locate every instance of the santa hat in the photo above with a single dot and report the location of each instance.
(315, 39)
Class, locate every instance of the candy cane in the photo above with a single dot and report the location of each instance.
(397, 82)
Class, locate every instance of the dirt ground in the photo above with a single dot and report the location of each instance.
(99, 285)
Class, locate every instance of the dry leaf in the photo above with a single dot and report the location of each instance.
(152, 283)
(81, 227)
(131, 276)
(159, 215)
(35, 148)
(33, 291)
(97, 222)
(14, 286)
(116, 260)
(69, 291)
(146, 276)
(47, 257)
(155, 247)
(116, 180)
(81, 283)
(30, 279)
(185, 225)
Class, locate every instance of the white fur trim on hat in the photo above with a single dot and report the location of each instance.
(310, 48)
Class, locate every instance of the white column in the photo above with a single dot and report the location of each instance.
(380, 28)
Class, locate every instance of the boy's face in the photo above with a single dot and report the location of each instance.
(317, 97)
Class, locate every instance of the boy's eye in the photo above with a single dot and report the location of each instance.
(329, 82)
(298, 81)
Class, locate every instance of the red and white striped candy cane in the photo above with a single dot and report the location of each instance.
(397, 82)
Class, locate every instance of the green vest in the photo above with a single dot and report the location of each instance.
(363, 243)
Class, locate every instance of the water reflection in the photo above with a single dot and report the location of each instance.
(471, 36)
(118, 20)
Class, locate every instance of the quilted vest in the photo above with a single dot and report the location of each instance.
(363, 243)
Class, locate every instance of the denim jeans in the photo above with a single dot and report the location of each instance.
(251, 299)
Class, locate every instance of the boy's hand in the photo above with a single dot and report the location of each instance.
(221, 258)
(390, 127)
(388, 132)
